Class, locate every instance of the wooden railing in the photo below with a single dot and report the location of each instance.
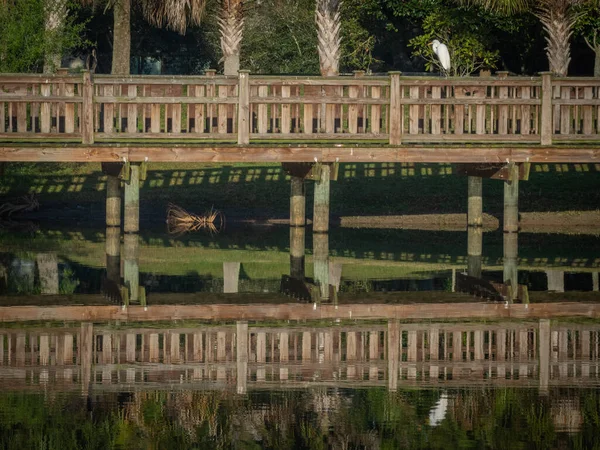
(385, 354)
(391, 109)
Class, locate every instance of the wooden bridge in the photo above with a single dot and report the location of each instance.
(239, 356)
(79, 117)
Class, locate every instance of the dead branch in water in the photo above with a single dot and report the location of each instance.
(22, 204)
(180, 221)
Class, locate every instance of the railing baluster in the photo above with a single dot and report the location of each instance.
(546, 126)
(244, 107)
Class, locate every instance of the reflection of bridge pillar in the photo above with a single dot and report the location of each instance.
(112, 248)
(544, 355)
(595, 283)
(321, 262)
(47, 264)
(44, 350)
(474, 250)
(130, 347)
(297, 250)
(556, 280)
(511, 269)
(457, 353)
(321, 201)
(393, 344)
(261, 355)
(131, 268)
(297, 202)
(132, 200)
(153, 352)
(113, 201)
(584, 336)
(511, 200)
(86, 355)
(231, 277)
(475, 202)
(242, 356)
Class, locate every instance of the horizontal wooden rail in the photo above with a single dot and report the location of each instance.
(393, 109)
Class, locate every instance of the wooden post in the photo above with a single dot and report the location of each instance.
(131, 267)
(45, 111)
(86, 355)
(297, 250)
(244, 108)
(503, 109)
(474, 250)
(511, 199)
(475, 201)
(321, 202)
(297, 202)
(395, 109)
(510, 266)
(132, 200)
(231, 277)
(87, 110)
(393, 344)
(113, 254)
(113, 201)
(547, 125)
(544, 355)
(241, 349)
(321, 262)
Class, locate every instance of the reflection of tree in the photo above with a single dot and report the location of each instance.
(321, 418)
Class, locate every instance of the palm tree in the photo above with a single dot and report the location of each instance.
(328, 20)
(558, 18)
(231, 26)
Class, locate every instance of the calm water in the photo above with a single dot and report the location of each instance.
(299, 341)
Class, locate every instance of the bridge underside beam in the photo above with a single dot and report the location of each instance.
(181, 152)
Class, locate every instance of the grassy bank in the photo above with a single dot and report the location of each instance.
(263, 189)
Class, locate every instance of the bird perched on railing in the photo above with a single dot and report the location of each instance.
(442, 53)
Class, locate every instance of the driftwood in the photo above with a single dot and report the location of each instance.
(22, 204)
(180, 221)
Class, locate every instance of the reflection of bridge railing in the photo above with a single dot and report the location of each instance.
(391, 354)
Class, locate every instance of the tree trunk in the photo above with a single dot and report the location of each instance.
(558, 19)
(55, 12)
(597, 61)
(121, 37)
(328, 35)
(231, 26)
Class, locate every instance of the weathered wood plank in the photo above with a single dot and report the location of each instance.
(303, 153)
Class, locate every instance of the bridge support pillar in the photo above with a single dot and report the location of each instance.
(321, 263)
(131, 267)
(556, 280)
(511, 199)
(297, 202)
(321, 203)
(113, 201)
(474, 250)
(511, 268)
(297, 250)
(595, 283)
(112, 248)
(132, 200)
(475, 201)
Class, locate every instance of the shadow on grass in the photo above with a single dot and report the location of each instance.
(263, 190)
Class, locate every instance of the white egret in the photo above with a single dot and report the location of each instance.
(442, 53)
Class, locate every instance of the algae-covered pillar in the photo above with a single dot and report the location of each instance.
(132, 200)
(113, 193)
(321, 263)
(475, 201)
(112, 248)
(231, 277)
(321, 200)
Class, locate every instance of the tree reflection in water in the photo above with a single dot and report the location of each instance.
(315, 418)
